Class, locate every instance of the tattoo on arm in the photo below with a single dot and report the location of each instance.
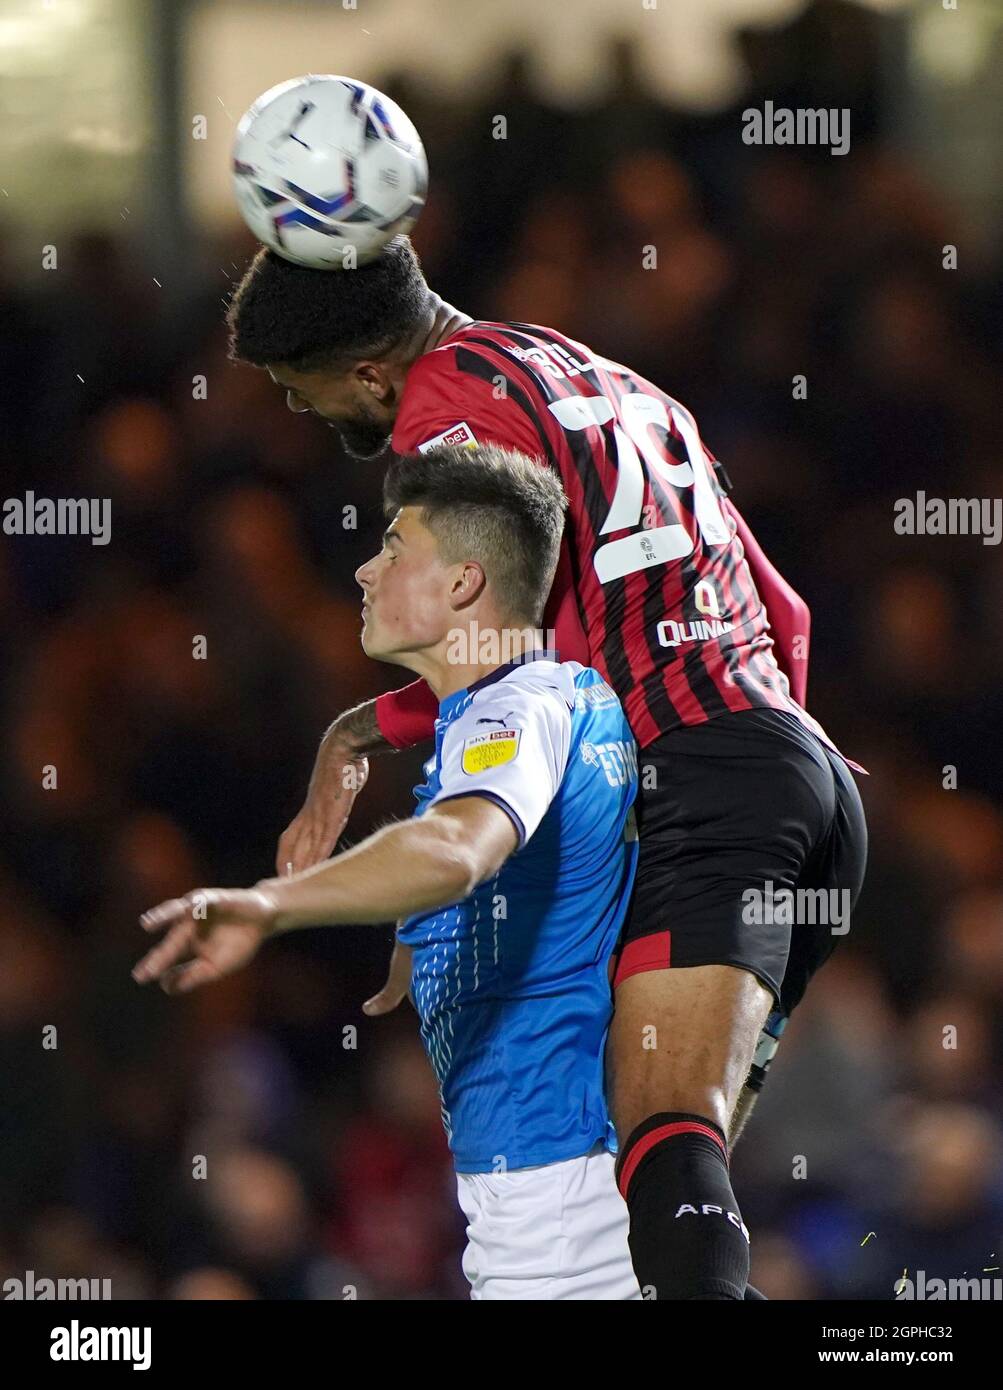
(359, 730)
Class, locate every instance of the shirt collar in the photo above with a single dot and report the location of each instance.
(449, 704)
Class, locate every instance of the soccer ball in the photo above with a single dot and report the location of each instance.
(322, 164)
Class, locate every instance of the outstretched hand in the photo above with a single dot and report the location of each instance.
(211, 932)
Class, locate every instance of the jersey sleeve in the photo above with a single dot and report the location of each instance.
(789, 615)
(407, 716)
(511, 746)
(445, 406)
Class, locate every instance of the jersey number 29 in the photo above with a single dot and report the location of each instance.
(637, 450)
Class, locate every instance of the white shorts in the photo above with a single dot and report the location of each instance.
(556, 1231)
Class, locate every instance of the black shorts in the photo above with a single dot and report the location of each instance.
(735, 816)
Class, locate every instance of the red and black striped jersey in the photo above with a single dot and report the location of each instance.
(654, 588)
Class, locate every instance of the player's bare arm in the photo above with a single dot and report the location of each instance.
(339, 774)
(412, 866)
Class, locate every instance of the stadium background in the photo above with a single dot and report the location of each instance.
(327, 1167)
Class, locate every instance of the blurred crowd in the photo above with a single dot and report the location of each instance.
(876, 1148)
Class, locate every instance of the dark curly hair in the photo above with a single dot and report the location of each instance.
(319, 320)
(489, 504)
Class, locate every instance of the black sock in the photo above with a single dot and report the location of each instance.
(687, 1238)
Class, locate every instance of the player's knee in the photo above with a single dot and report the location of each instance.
(633, 1105)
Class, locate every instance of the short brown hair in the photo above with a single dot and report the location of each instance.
(492, 505)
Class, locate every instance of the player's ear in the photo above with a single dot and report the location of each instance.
(467, 584)
(375, 378)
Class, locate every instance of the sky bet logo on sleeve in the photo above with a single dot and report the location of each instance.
(490, 750)
(455, 435)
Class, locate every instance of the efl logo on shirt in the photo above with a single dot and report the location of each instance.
(455, 435)
(490, 750)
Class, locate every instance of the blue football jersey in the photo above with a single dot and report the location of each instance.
(511, 984)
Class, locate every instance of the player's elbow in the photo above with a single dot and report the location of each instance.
(464, 860)
(462, 867)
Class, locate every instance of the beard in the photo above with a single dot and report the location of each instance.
(362, 439)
